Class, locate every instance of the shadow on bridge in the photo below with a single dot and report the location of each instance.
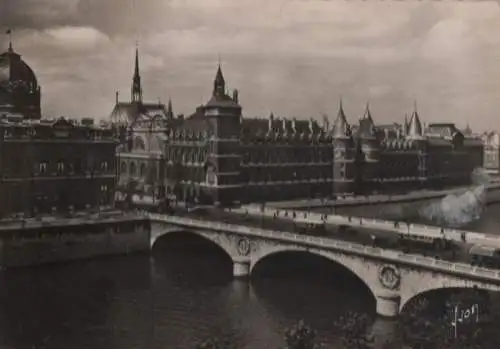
(192, 257)
(438, 303)
(294, 279)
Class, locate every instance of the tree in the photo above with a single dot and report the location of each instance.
(300, 336)
(216, 343)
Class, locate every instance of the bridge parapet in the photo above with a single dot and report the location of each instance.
(328, 243)
(418, 229)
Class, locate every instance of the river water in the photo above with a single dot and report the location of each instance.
(180, 295)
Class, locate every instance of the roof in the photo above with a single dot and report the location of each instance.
(273, 126)
(223, 101)
(129, 113)
(14, 71)
(341, 128)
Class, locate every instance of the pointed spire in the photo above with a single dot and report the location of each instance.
(136, 70)
(368, 114)
(415, 125)
(219, 83)
(341, 128)
(117, 94)
(170, 112)
(136, 80)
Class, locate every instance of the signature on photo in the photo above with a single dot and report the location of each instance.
(461, 315)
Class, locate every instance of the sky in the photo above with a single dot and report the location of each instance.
(296, 58)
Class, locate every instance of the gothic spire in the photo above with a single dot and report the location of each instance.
(219, 83)
(341, 128)
(415, 125)
(136, 80)
(170, 112)
(368, 114)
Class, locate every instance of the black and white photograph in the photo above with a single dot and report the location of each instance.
(249, 174)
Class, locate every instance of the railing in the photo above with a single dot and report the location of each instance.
(431, 231)
(331, 243)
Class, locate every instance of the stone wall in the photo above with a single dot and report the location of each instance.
(32, 246)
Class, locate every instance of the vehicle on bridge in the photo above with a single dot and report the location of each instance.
(313, 229)
(485, 256)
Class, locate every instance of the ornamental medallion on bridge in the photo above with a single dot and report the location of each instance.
(244, 247)
(389, 277)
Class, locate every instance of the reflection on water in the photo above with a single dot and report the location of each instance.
(176, 298)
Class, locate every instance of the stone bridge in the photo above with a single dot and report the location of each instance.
(392, 277)
(458, 235)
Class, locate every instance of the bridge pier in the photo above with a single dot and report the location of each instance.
(241, 267)
(388, 304)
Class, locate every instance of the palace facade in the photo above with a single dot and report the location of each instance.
(216, 156)
(48, 165)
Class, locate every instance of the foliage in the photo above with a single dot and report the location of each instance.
(300, 336)
(216, 343)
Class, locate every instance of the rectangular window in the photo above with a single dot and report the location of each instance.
(42, 167)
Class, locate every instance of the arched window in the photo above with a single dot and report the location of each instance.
(133, 169)
(123, 167)
(139, 143)
(211, 176)
(142, 170)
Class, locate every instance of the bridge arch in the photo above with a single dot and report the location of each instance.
(214, 239)
(428, 288)
(354, 266)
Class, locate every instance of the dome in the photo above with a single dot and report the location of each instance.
(14, 71)
(19, 90)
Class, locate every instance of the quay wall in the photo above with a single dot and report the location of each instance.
(33, 245)
(383, 205)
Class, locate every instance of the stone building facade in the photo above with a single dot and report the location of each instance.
(216, 156)
(55, 166)
(142, 128)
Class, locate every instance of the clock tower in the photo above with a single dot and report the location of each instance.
(344, 156)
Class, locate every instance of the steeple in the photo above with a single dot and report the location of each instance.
(136, 80)
(170, 112)
(219, 83)
(341, 128)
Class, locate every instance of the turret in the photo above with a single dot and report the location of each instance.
(235, 96)
(344, 155)
(368, 153)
